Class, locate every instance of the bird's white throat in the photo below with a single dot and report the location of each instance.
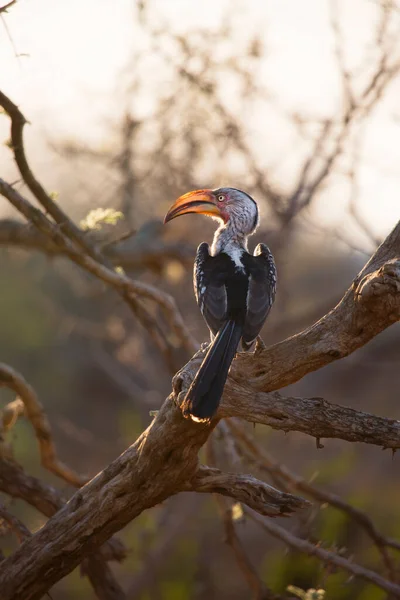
(227, 239)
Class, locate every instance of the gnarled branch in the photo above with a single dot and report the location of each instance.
(247, 489)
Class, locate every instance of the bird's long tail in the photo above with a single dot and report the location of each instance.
(205, 393)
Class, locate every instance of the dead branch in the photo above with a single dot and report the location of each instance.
(314, 416)
(7, 6)
(250, 574)
(325, 556)
(150, 253)
(242, 560)
(370, 305)
(47, 500)
(73, 242)
(247, 489)
(125, 286)
(14, 524)
(35, 413)
(155, 558)
(265, 462)
(102, 579)
(18, 122)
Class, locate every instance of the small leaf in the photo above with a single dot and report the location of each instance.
(296, 591)
(313, 594)
(310, 594)
(54, 195)
(237, 512)
(119, 270)
(98, 216)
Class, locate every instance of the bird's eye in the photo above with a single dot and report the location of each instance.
(221, 198)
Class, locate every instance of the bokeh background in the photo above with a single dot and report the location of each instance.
(133, 103)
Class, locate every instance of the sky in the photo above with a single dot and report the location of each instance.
(73, 53)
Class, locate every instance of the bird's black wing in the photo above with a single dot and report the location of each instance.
(209, 279)
(261, 292)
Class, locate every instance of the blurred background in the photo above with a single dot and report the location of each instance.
(131, 104)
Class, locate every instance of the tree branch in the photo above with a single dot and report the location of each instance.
(325, 556)
(35, 413)
(266, 463)
(246, 489)
(7, 6)
(370, 305)
(259, 589)
(126, 287)
(47, 500)
(151, 253)
(18, 122)
(72, 240)
(314, 416)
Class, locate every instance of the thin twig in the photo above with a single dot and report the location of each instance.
(266, 463)
(35, 413)
(326, 556)
(249, 572)
(67, 231)
(127, 288)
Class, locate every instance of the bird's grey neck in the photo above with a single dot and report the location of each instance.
(226, 238)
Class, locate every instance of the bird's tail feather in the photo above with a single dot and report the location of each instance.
(204, 394)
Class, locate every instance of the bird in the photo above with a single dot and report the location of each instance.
(234, 289)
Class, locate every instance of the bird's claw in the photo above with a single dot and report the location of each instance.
(260, 346)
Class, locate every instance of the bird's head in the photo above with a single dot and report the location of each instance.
(229, 205)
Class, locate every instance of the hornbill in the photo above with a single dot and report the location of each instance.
(234, 289)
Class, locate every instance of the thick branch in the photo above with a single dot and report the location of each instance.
(47, 500)
(314, 416)
(154, 468)
(246, 489)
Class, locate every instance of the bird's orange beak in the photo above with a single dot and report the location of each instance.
(199, 201)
